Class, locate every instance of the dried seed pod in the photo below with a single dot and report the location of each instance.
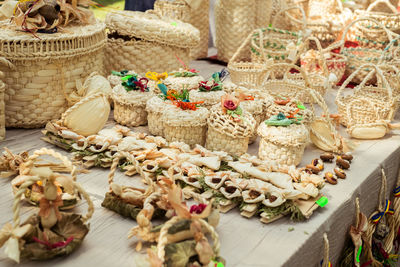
(347, 157)
(327, 157)
(340, 173)
(343, 164)
(330, 178)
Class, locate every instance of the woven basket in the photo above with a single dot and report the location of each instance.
(209, 98)
(195, 12)
(136, 37)
(130, 107)
(317, 9)
(155, 107)
(43, 71)
(274, 42)
(370, 34)
(284, 145)
(188, 126)
(234, 20)
(180, 83)
(380, 96)
(279, 81)
(2, 107)
(359, 55)
(226, 135)
(289, 108)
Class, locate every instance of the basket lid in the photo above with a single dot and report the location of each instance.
(174, 116)
(292, 135)
(134, 97)
(156, 104)
(74, 41)
(224, 124)
(151, 27)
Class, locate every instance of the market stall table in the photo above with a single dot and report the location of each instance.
(244, 242)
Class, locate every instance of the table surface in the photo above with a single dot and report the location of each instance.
(244, 242)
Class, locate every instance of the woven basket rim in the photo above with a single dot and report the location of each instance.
(79, 40)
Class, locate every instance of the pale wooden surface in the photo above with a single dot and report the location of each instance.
(244, 242)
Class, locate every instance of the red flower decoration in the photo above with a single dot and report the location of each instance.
(229, 104)
(198, 209)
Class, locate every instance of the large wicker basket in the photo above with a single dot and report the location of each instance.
(43, 71)
(135, 38)
(226, 135)
(284, 145)
(188, 126)
(380, 95)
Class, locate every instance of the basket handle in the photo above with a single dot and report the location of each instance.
(386, 2)
(303, 14)
(346, 30)
(376, 70)
(163, 239)
(287, 67)
(235, 56)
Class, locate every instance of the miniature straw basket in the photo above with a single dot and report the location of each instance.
(42, 72)
(380, 96)
(284, 145)
(226, 135)
(155, 107)
(358, 56)
(130, 107)
(2, 107)
(136, 37)
(280, 81)
(180, 83)
(256, 109)
(188, 126)
(210, 98)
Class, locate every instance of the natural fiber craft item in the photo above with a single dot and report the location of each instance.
(135, 37)
(232, 24)
(319, 8)
(229, 131)
(88, 116)
(279, 44)
(283, 144)
(380, 97)
(155, 107)
(2, 107)
(358, 56)
(188, 126)
(50, 233)
(39, 78)
(281, 80)
(130, 102)
(210, 92)
(115, 77)
(183, 79)
(369, 34)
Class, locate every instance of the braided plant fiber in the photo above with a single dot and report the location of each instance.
(135, 37)
(40, 74)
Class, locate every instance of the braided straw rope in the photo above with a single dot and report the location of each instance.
(233, 24)
(149, 35)
(130, 107)
(188, 126)
(163, 239)
(284, 145)
(381, 96)
(35, 93)
(360, 55)
(390, 20)
(394, 220)
(367, 236)
(325, 262)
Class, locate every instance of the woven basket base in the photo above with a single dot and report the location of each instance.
(284, 155)
(221, 142)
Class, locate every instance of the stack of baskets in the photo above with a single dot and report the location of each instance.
(135, 38)
(43, 71)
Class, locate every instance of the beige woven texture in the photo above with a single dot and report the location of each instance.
(226, 135)
(130, 107)
(234, 20)
(284, 145)
(210, 98)
(149, 35)
(155, 107)
(188, 126)
(41, 73)
(291, 107)
(256, 109)
(381, 97)
(2, 108)
(180, 83)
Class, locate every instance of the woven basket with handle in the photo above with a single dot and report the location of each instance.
(43, 71)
